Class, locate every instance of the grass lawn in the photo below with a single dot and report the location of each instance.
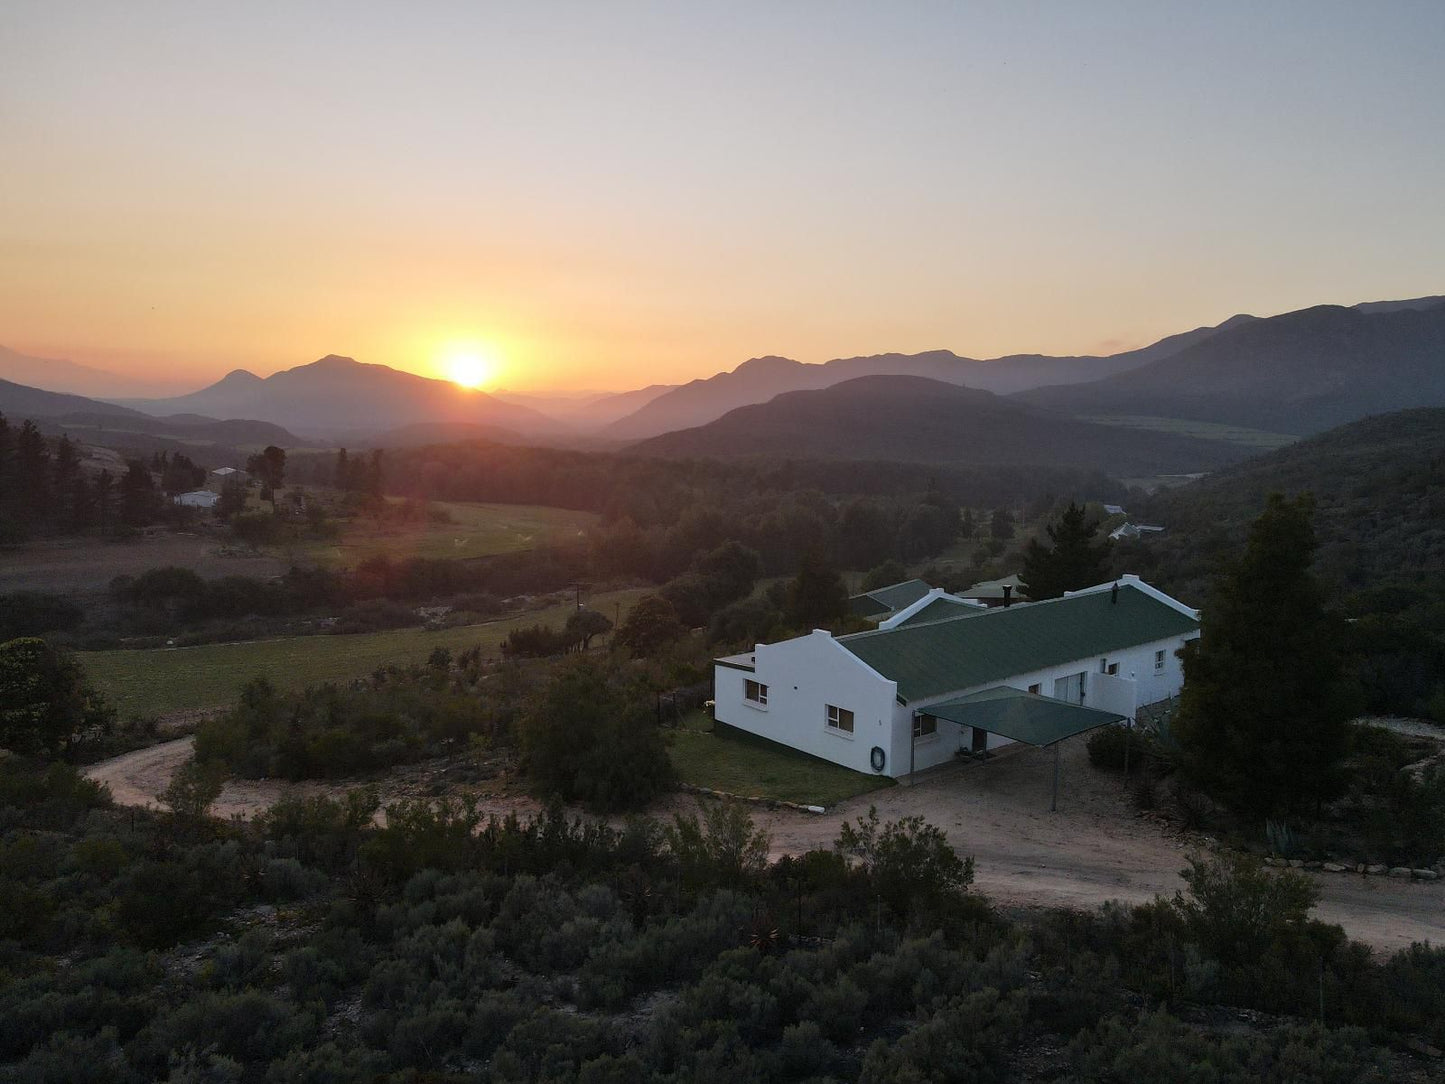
(476, 530)
(163, 681)
(754, 767)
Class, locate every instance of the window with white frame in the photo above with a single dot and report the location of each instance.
(755, 692)
(840, 719)
(1036, 689)
(1158, 661)
(924, 726)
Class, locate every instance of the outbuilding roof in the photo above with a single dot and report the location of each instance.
(890, 599)
(983, 647)
(1025, 717)
(940, 609)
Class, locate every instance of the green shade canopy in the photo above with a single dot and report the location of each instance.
(1024, 717)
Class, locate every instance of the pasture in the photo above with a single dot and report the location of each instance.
(1261, 439)
(163, 682)
(471, 530)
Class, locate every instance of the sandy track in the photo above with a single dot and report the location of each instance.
(1094, 849)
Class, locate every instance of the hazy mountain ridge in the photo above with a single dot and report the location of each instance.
(1301, 372)
(22, 401)
(759, 379)
(339, 397)
(916, 419)
(71, 378)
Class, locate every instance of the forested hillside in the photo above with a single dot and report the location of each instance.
(914, 419)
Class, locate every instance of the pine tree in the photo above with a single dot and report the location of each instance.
(817, 597)
(1264, 713)
(1072, 561)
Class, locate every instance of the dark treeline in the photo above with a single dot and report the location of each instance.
(314, 945)
(657, 491)
(44, 490)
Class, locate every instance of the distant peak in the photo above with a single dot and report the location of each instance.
(335, 361)
(768, 361)
(239, 376)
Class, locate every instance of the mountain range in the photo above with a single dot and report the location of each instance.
(1292, 374)
(915, 419)
(1299, 373)
(341, 398)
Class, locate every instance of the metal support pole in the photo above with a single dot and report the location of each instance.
(1054, 801)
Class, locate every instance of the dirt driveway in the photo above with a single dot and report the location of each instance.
(1094, 849)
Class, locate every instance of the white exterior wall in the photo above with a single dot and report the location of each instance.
(1100, 691)
(804, 676)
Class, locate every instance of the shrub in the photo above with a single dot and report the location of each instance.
(1107, 748)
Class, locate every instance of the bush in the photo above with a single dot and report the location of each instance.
(1107, 748)
(593, 737)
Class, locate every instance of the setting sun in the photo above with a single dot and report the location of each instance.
(471, 368)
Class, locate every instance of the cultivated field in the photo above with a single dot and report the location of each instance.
(475, 530)
(88, 564)
(167, 681)
(1231, 434)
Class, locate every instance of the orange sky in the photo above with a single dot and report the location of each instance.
(606, 199)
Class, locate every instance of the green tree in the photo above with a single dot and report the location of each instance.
(1072, 560)
(583, 625)
(45, 704)
(592, 737)
(194, 789)
(269, 466)
(816, 597)
(1263, 717)
(649, 627)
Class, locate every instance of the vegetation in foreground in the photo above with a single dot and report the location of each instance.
(313, 945)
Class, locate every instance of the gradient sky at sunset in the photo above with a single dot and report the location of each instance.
(606, 195)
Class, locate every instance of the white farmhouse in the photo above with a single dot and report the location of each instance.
(904, 698)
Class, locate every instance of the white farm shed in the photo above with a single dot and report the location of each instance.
(898, 700)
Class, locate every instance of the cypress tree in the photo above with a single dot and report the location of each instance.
(1263, 717)
(1073, 559)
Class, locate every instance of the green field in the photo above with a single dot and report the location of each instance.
(476, 530)
(1186, 427)
(755, 768)
(164, 681)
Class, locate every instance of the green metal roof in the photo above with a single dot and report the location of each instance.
(987, 646)
(940, 609)
(889, 599)
(1025, 717)
(866, 606)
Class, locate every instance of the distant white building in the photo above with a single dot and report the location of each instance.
(904, 698)
(1133, 530)
(197, 498)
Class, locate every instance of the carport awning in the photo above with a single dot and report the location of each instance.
(1025, 717)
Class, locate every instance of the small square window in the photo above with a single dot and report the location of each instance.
(1036, 689)
(840, 719)
(924, 726)
(757, 692)
(1113, 668)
